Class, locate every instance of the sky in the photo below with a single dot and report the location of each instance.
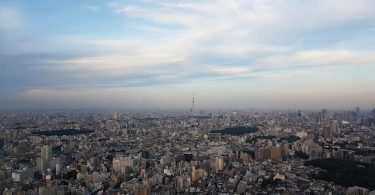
(158, 53)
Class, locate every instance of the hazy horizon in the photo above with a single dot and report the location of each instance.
(156, 54)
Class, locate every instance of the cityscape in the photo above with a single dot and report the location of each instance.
(200, 97)
(187, 152)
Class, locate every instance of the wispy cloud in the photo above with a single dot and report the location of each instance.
(93, 8)
(186, 43)
(293, 74)
(232, 70)
(10, 19)
(318, 59)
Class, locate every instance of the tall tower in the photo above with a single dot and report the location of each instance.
(192, 105)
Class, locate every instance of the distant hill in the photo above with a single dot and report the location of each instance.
(236, 130)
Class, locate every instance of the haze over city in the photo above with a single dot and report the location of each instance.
(175, 97)
(156, 54)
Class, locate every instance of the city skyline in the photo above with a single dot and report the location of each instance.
(157, 54)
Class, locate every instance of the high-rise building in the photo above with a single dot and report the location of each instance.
(116, 115)
(335, 127)
(46, 153)
(111, 125)
(43, 190)
(48, 190)
(275, 153)
(356, 190)
(194, 174)
(120, 163)
(219, 163)
(267, 153)
(327, 132)
(139, 189)
(358, 112)
(259, 153)
(45, 157)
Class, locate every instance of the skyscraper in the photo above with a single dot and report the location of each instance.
(45, 156)
(46, 153)
(327, 132)
(335, 127)
(116, 115)
(219, 163)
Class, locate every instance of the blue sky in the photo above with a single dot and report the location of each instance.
(156, 54)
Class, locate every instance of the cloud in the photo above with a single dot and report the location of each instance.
(180, 44)
(256, 16)
(121, 64)
(318, 59)
(232, 70)
(222, 37)
(246, 30)
(10, 19)
(292, 74)
(93, 8)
